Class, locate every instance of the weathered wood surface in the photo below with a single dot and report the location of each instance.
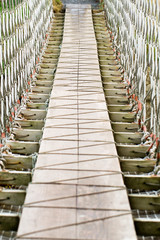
(78, 190)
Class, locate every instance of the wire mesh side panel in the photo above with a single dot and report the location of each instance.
(135, 27)
(23, 26)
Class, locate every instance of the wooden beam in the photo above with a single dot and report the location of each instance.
(20, 147)
(147, 226)
(39, 89)
(119, 108)
(137, 165)
(16, 178)
(103, 43)
(109, 57)
(142, 182)
(53, 42)
(134, 151)
(47, 70)
(108, 63)
(27, 134)
(30, 124)
(110, 73)
(36, 105)
(12, 197)
(44, 83)
(50, 60)
(104, 66)
(124, 137)
(125, 127)
(9, 221)
(115, 92)
(33, 114)
(18, 162)
(115, 100)
(110, 78)
(37, 97)
(48, 65)
(144, 202)
(103, 51)
(45, 76)
(112, 85)
(122, 116)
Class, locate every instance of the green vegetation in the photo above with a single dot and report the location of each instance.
(10, 3)
(57, 5)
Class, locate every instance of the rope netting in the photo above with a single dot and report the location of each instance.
(23, 28)
(135, 29)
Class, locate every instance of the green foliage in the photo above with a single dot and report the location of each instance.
(0, 7)
(9, 3)
(58, 2)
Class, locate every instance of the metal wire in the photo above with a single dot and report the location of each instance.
(23, 27)
(135, 29)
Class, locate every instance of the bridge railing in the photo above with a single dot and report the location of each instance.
(135, 29)
(23, 27)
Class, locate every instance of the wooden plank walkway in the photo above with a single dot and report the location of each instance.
(77, 190)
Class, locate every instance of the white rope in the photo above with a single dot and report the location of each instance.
(23, 27)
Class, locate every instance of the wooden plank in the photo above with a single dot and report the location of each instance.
(16, 178)
(37, 97)
(124, 137)
(117, 100)
(33, 114)
(49, 60)
(147, 226)
(44, 83)
(132, 150)
(43, 89)
(30, 124)
(111, 85)
(103, 43)
(45, 76)
(50, 56)
(115, 92)
(125, 127)
(18, 162)
(122, 116)
(137, 165)
(111, 79)
(27, 134)
(54, 39)
(103, 51)
(50, 219)
(142, 182)
(36, 105)
(49, 65)
(105, 66)
(12, 197)
(9, 221)
(47, 70)
(54, 42)
(109, 63)
(144, 202)
(25, 148)
(111, 72)
(120, 108)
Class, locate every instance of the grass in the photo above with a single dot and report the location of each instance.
(9, 2)
(57, 5)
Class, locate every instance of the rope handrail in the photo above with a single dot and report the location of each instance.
(23, 28)
(135, 29)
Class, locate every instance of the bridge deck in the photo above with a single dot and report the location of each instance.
(77, 190)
